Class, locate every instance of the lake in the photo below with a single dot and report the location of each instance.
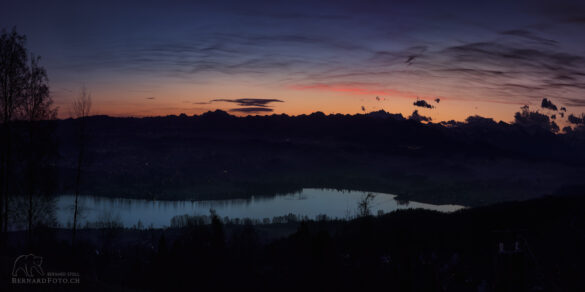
(308, 202)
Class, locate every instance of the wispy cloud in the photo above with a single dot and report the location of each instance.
(354, 88)
(342, 47)
(526, 34)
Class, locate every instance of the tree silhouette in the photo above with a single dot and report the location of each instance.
(365, 205)
(35, 107)
(534, 120)
(80, 111)
(13, 74)
(27, 145)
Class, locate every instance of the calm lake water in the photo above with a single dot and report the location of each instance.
(309, 202)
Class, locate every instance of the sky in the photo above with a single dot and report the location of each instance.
(148, 58)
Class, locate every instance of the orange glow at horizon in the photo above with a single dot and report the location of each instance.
(334, 98)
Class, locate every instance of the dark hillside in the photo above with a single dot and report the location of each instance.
(217, 155)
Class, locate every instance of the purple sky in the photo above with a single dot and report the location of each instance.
(167, 57)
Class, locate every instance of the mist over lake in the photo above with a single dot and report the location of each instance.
(308, 203)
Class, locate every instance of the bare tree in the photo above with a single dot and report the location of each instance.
(13, 73)
(81, 109)
(37, 104)
(27, 144)
(365, 205)
(35, 110)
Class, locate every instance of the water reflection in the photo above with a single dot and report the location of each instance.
(307, 203)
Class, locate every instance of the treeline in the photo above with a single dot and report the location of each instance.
(184, 221)
(532, 134)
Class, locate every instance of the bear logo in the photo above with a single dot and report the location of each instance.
(30, 264)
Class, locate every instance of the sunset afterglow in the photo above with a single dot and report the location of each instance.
(148, 59)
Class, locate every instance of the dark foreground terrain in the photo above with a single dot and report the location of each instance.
(534, 245)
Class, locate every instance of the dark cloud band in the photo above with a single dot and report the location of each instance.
(255, 102)
(251, 110)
